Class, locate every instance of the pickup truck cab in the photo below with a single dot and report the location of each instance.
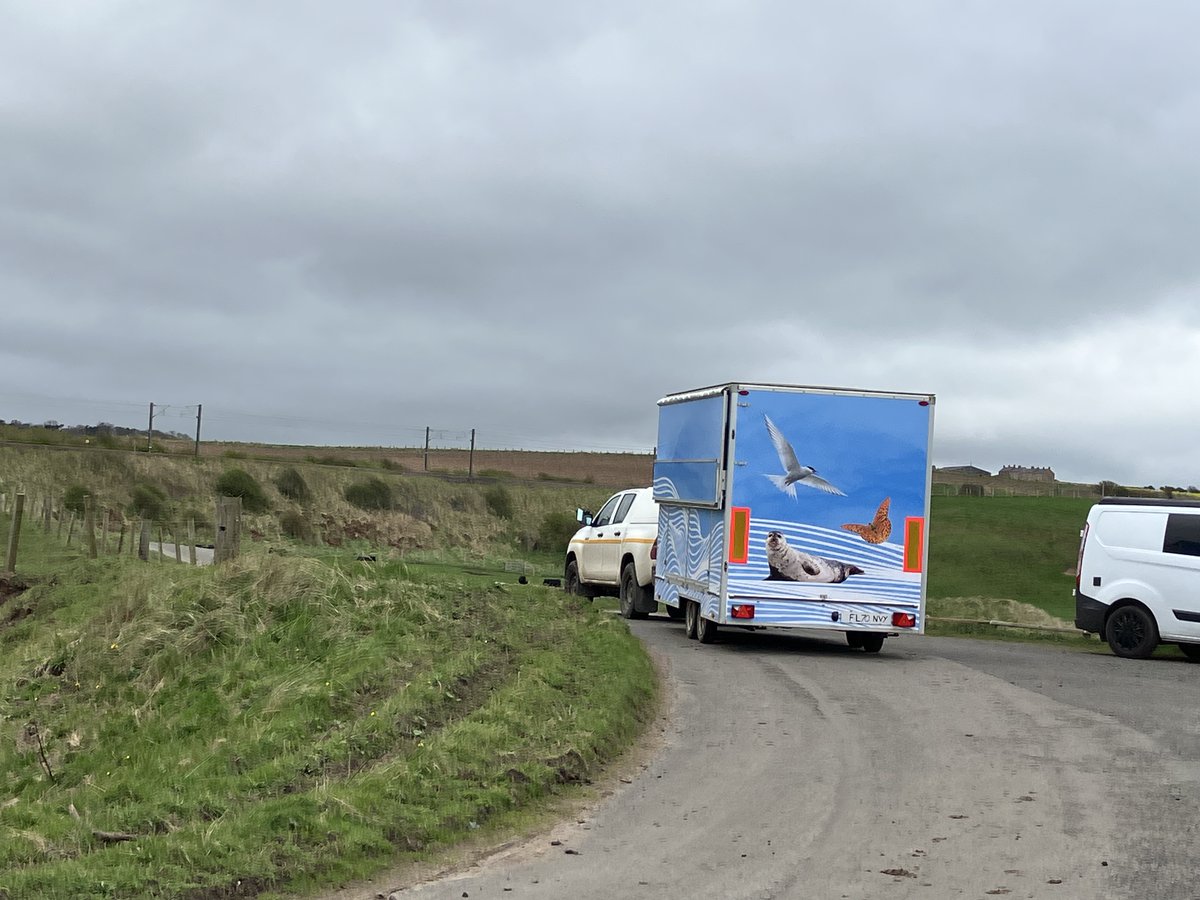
(611, 552)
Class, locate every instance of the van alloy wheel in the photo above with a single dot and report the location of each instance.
(1131, 632)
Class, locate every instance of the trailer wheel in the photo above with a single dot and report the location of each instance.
(691, 617)
(873, 643)
(706, 629)
(854, 640)
(1131, 632)
(676, 612)
(631, 593)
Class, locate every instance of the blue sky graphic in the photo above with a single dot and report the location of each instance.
(869, 447)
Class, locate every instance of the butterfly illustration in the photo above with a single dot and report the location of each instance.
(879, 529)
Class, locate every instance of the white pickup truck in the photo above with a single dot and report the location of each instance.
(613, 552)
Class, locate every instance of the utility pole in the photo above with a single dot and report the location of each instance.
(150, 431)
(471, 458)
(426, 448)
(199, 409)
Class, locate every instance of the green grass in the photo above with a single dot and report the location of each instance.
(1014, 548)
(285, 722)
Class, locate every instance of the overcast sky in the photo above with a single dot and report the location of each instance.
(342, 223)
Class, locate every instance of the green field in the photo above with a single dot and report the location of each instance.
(283, 722)
(1015, 548)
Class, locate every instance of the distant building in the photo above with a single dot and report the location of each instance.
(1027, 473)
(970, 471)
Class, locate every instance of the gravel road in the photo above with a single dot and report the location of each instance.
(795, 768)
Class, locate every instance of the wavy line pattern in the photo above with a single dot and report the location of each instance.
(883, 578)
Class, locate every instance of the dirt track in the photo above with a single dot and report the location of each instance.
(795, 768)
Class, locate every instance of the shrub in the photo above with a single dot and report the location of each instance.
(556, 531)
(295, 525)
(370, 494)
(73, 497)
(499, 502)
(149, 501)
(240, 483)
(292, 485)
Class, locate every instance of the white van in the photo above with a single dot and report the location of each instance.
(1138, 577)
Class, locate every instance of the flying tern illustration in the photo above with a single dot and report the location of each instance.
(796, 473)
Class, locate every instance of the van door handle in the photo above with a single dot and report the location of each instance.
(616, 534)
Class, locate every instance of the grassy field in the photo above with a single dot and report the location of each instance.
(1014, 548)
(299, 717)
(285, 721)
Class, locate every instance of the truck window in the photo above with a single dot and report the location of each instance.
(604, 517)
(1183, 535)
(623, 509)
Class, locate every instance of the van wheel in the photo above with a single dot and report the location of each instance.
(706, 629)
(1191, 651)
(873, 643)
(631, 592)
(1131, 632)
(676, 612)
(691, 618)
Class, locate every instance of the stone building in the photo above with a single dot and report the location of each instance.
(1026, 473)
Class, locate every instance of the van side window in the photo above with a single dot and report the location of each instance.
(1183, 535)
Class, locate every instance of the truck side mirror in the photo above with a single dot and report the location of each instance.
(583, 516)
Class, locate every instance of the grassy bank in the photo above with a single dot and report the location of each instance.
(284, 721)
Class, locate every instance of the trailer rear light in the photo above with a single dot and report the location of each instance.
(742, 611)
(904, 620)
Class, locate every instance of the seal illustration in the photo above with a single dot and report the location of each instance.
(789, 564)
(795, 473)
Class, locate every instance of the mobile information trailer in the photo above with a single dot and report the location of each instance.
(794, 507)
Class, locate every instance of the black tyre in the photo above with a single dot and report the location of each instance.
(706, 629)
(873, 643)
(631, 594)
(1191, 651)
(571, 582)
(691, 618)
(676, 612)
(1131, 632)
(854, 640)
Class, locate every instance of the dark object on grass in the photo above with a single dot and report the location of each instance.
(366, 557)
(522, 580)
(552, 582)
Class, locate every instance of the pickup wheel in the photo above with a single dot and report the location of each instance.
(691, 617)
(572, 584)
(706, 629)
(631, 593)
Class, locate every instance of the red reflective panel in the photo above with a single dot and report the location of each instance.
(742, 610)
(903, 620)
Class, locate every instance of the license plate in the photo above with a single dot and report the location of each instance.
(858, 618)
